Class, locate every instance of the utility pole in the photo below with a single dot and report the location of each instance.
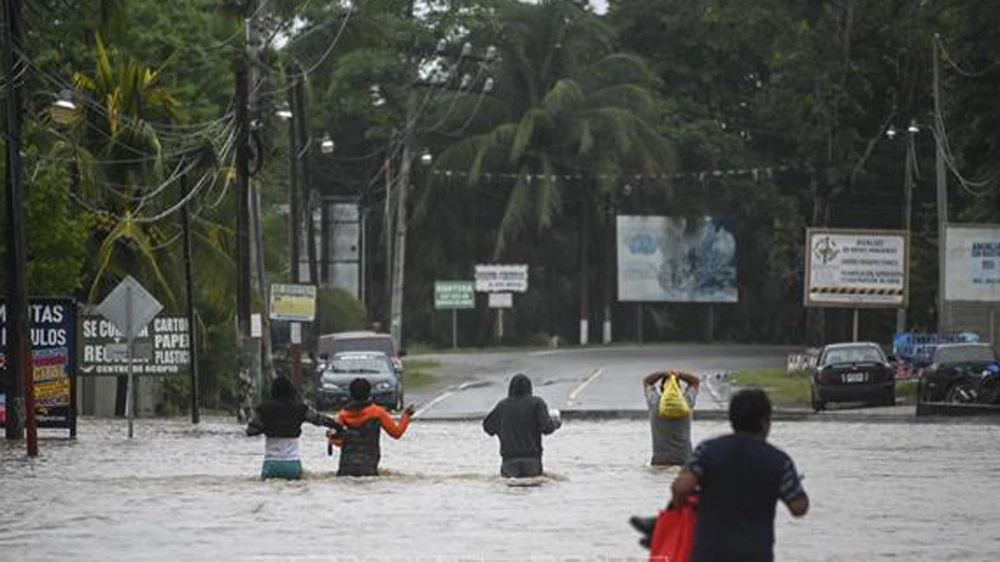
(299, 114)
(387, 229)
(189, 288)
(245, 382)
(942, 195)
(294, 213)
(19, 383)
(399, 249)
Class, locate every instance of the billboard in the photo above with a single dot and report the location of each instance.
(857, 268)
(163, 347)
(972, 263)
(295, 303)
(52, 324)
(676, 259)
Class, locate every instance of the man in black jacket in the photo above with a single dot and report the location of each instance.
(519, 421)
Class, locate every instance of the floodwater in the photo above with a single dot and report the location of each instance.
(909, 492)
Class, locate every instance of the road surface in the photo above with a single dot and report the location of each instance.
(595, 378)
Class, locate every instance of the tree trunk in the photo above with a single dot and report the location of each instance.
(584, 271)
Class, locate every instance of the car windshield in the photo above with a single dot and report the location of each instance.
(382, 345)
(361, 365)
(859, 354)
(964, 353)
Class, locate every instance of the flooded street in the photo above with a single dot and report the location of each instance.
(879, 491)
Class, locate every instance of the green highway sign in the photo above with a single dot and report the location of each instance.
(454, 294)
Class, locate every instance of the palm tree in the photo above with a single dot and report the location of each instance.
(567, 106)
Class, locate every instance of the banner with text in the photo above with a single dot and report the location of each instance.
(972, 263)
(163, 348)
(857, 268)
(52, 325)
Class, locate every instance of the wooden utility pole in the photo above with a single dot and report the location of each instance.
(943, 322)
(294, 212)
(18, 386)
(189, 289)
(399, 248)
(243, 245)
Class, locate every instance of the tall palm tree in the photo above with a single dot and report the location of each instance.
(570, 117)
(567, 104)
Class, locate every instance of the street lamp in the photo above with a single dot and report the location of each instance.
(284, 112)
(326, 144)
(909, 161)
(63, 110)
(426, 158)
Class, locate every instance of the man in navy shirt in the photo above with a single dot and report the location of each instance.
(739, 479)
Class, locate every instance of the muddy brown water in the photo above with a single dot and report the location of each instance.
(909, 492)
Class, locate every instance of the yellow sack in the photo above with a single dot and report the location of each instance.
(672, 402)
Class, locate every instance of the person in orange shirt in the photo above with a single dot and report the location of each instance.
(363, 422)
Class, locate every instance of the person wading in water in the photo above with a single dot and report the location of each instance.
(363, 423)
(280, 419)
(519, 421)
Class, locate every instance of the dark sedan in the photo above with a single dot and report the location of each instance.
(335, 379)
(853, 372)
(962, 373)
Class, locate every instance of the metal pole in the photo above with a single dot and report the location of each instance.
(130, 385)
(454, 328)
(500, 324)
(907, 212)
(942, 198)
(993, 327)
(387, 229)
(19, 383)
(295, 337)
(855, 331)
(189, 288)
(294, 213)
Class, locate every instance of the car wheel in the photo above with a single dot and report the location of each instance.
(818, 405)
(960, 393)
(890, 398)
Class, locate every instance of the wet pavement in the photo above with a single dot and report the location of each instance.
(915, 492)
(592, 379)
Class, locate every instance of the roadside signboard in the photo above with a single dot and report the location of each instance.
(501, 300)
(52, 323)
(972, 263)
(676, 259)
(454, 295)
(129, 317)
(162, 348)
(495, 278)
(295, 303)
(857, 268)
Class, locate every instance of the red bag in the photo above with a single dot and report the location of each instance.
(673, 535)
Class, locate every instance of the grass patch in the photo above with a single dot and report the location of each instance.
(784, 389)
(419, 373)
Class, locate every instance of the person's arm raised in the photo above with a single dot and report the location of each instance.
(653, 378)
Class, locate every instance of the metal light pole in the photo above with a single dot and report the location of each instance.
(910, 159)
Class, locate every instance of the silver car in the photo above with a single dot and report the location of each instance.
(338, 372)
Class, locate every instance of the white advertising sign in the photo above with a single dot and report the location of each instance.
(972, 263)
(676, 259)
(501, 278)
(857, 268)
(501, 300)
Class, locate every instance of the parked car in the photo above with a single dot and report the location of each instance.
(853, 372)
(332, 344)
(337, 374)
(963, 373)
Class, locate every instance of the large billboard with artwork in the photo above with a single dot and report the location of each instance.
(676, 259)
